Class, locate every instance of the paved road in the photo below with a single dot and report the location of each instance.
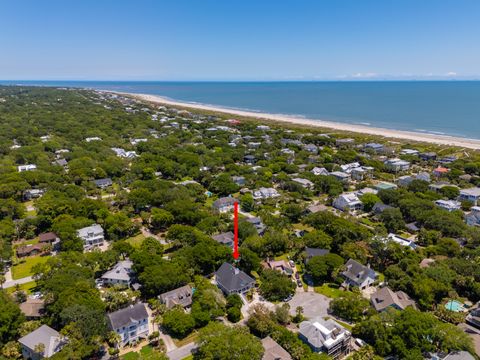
(182, 352)
(12, 283)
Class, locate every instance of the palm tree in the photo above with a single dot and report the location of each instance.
(113, 339)
(39, 349)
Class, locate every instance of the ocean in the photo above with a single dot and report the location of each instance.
(436, 107)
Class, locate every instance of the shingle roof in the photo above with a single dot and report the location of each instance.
(319, 332)
(225, 238)
(47, 237)
(181, 296)
(273, 351)
(385, 297)
(45, 335)
(316, 252)
(357, 272)
(231, 278)
(128, 315)
(121, 271)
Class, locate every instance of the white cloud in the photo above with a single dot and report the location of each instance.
(364, 75)
(451, 73)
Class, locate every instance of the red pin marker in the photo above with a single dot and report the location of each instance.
(235, 230)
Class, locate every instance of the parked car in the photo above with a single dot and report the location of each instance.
(299, 283)
(297, 276)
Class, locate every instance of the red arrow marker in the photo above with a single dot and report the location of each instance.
(235, 230)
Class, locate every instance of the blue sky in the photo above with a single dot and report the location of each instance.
(239, 39)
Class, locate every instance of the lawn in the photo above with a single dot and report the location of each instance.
(27, 287)
(136, 241)
(24, 268)
(146, 353)
(31, 212)
(186, 340)
(330, 290)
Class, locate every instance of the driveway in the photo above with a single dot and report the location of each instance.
(313, 304)
(182, 352)
(21, 281)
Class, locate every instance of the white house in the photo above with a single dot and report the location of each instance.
(265, 193)
(341, 176)
(92, 236)
(94, 138)
(397, 165)
(319, 171)
(131, 323)
(326, 336)
(449, 205)
(348, 202)
(124, 154)
(473, 217)
(307, 184)
(28, 167)
(120, 274)
(401, 241)
(358, 275)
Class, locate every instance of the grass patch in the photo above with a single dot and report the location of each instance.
(186, 340)
(26, 242)
(344, 324)
(24, 268)
(330, 290)
(136, 241)
(30, 212)
(29, 288)
(145, 353)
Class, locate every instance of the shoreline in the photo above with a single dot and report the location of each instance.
(288, 119)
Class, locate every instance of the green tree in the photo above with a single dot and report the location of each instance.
(276, 286)
(350, 306)
(10, 318)
(321, 268)
(178, 323)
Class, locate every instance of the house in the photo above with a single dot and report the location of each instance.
(441, 171)
(379, 208)
(472, 195)
(33, 194)
(273, 351)
(474, 318)
(326, 336)
(28, 167)
(366, 190)
(409, 152)
(473, 217)
(181, 296)
(279, 265)
(374, 146)
(120, 274)
(103, 183)
(344, 142)
(397, 165)
(424, 176)
(131, 323)
(401, 241)
(224, 204)
(263, 127)
(265, 193)
(307, 184)
(30, 250)
(385, 298)
(348, 202)
(94, 138)
(60, 162)
(314, 208)
(428, 156)
(225, 238)
(311, 148)
(349, 167)
(455, 355)
(124, 154)
(135, 142)
(405, 180)
(239, 180)
(317, 171)
(92, 236)
(33, 309)
(249, 159)
(448, 159)
(449, 205)
(412, 227)
(311, 252)
(51, 340)
(340, 176)
(259, 225)
(362, 172)
(358, 275)
(48, 238)
(232, 280)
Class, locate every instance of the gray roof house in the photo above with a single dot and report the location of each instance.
(131, 323)
(356, 274)
(224, 204)
(180, 296)
(326, 336)
(454, 355)
(472, 195)
(259, 225)
(103, 183)
(232, 280)
(386, 298)
(473, 217)
(273, 351)
(225, 238)
(45, 335)
(120, 274)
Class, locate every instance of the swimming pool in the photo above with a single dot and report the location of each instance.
(454, 305)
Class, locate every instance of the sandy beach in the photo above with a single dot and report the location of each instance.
(388, 133)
